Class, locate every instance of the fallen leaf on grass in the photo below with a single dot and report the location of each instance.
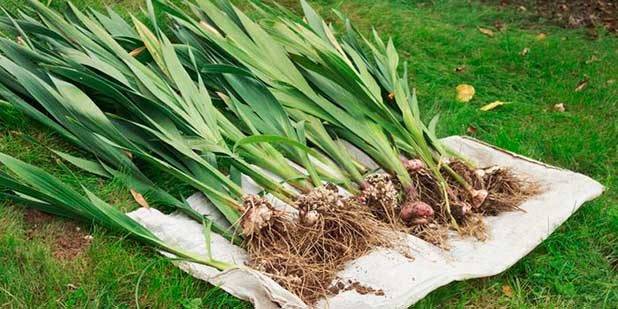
(471, 130)
(460, 69)
(559, 107)
(541, 36)
(524, 51)
(507, 290)
(139, 198)
(611, 81)
(464, 93)
(492, 105)
(486, 31)
(592, 59)
(582, 84)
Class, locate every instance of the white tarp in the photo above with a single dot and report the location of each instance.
(403, 280)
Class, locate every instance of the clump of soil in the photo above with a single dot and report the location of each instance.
(349, 285)
(67, 243)
(304, 253)
(573, 13)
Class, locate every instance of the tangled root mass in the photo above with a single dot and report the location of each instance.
(421, 209)
(304, 254)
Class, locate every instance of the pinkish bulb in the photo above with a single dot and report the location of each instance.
(414, 165)
(414, 210)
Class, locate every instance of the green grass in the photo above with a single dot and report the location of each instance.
(576, 267)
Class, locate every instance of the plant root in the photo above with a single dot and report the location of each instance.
(505, 190)
(421, 209)
(304, 254)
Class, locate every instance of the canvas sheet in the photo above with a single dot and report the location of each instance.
(404, 281)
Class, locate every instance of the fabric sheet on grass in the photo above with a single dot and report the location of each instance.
(403, 280)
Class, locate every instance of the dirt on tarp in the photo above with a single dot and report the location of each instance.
(572, 13)
(348, 285)
(66, 244)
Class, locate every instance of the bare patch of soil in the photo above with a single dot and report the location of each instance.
(67, 243)
(71, 243)
(35, 217)
(573, 13)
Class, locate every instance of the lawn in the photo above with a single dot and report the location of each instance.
(47, 262)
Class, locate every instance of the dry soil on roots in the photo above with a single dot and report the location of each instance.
(304, 257)
(506, 191)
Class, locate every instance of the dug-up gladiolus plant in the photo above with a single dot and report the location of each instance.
(354, 88)
(93, 89)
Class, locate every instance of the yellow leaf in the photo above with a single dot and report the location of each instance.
(559, 107)
(541, 36)
(136, 52)
(582, 84)
(492, 105)
(486, 32)
(139, 198)
(507, 290)
(464, 93)
(524, 51)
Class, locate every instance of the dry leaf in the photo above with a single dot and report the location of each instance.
(486, 32)
(464, 93)
(541, 36)
(524, 51)
(210, 28)
(522, 8)
(610, 81)
(471, 130)
(139, 198)
(128, 154)
(492, 105)
(582, 84)
(460, 69)
(559, 107)
(507, 290)
(592, 59)
(136, 52)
